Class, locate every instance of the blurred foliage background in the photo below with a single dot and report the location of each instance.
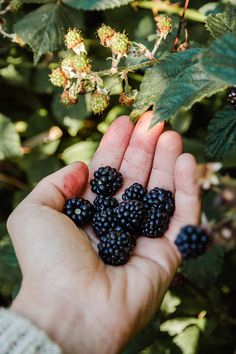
(38, 135)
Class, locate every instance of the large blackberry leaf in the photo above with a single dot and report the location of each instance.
(96, 4)
(221, 137)
(9, 139)
(221, 23)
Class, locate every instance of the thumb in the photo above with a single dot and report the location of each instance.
(53, 190)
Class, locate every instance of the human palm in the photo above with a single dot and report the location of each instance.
(90, 307)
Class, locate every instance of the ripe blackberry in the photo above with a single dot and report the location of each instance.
(135, 192)
(232, 96)
(115, 247)
(156, 223)
(107, 181)
(102, 203)
(179, 281)
(79, 210)
(130, 214)
(103, 222)
(191, 241)
(161, 197)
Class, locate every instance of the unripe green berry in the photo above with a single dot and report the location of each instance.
(164, 24)
(105, 33)
(73, 38)
(15, 5)
(99, 102)
(79, 63)
(127, 99)
(120, 44)
(57, 78)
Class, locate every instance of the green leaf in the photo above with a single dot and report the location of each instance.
(188, 340)
(9, 139)
(157, 79)
(221, 138)
(44, 28)
(191, 86)
(96, 4)
(220, 59)
(82, 151)
(221, 23)
(204, 270)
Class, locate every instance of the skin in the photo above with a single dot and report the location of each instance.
(67, 291)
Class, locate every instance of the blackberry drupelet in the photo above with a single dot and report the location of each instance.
(102, 203)
(178, 281)
(156, 223)
(161, 197)
(115, 247)
(135, 192)
(103, 222)
(106, 181)
(192, 241)
(129, 215)
(232, 96)
(79, 210)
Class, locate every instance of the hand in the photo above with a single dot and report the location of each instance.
(84, 305)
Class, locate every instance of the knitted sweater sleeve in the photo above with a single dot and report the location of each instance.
(19, 336)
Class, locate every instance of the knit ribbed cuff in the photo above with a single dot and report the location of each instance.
(20, 336)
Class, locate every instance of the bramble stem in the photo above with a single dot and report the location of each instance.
(191, 14)
(130, 68)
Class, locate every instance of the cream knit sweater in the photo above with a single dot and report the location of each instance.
(19, 336)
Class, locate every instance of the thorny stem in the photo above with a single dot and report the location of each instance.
(181, 21)
(191, 14)
(156, 46)
(129, 68)
(5, 34)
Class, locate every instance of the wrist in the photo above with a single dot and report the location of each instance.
(71, 329)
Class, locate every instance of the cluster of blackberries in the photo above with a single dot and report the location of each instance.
(232, 96)
(118, 224)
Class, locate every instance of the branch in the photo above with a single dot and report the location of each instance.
(191, 14)
(181, 21)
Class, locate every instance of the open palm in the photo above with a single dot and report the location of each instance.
(83, 304)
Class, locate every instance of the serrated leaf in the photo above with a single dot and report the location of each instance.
(221, 138)
(220, 59)
(221, 23)
(204, 270)
(157, 79)
(44, 28)
(184, 91)
(96, 4)
(9, 139)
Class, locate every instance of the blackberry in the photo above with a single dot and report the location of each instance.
(156, 223)
(161, 197)
(191, 241)
(115, 247)
(232, 96)
(107, 181)
(79, 210)
(130, 214)
(135, 192)
(179, 281)
(103, 222)
(103, 203)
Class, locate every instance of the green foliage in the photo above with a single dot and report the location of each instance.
(220, 59)
(221, 23)
(44, 28)
(204, 270)
(9, 139)
(96, 4)
(221, 138)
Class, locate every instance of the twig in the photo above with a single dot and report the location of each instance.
(191, 14)
(181, 21)
(13, 181)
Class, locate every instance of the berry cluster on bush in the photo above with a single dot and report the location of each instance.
(76, 77)
(118, 224)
